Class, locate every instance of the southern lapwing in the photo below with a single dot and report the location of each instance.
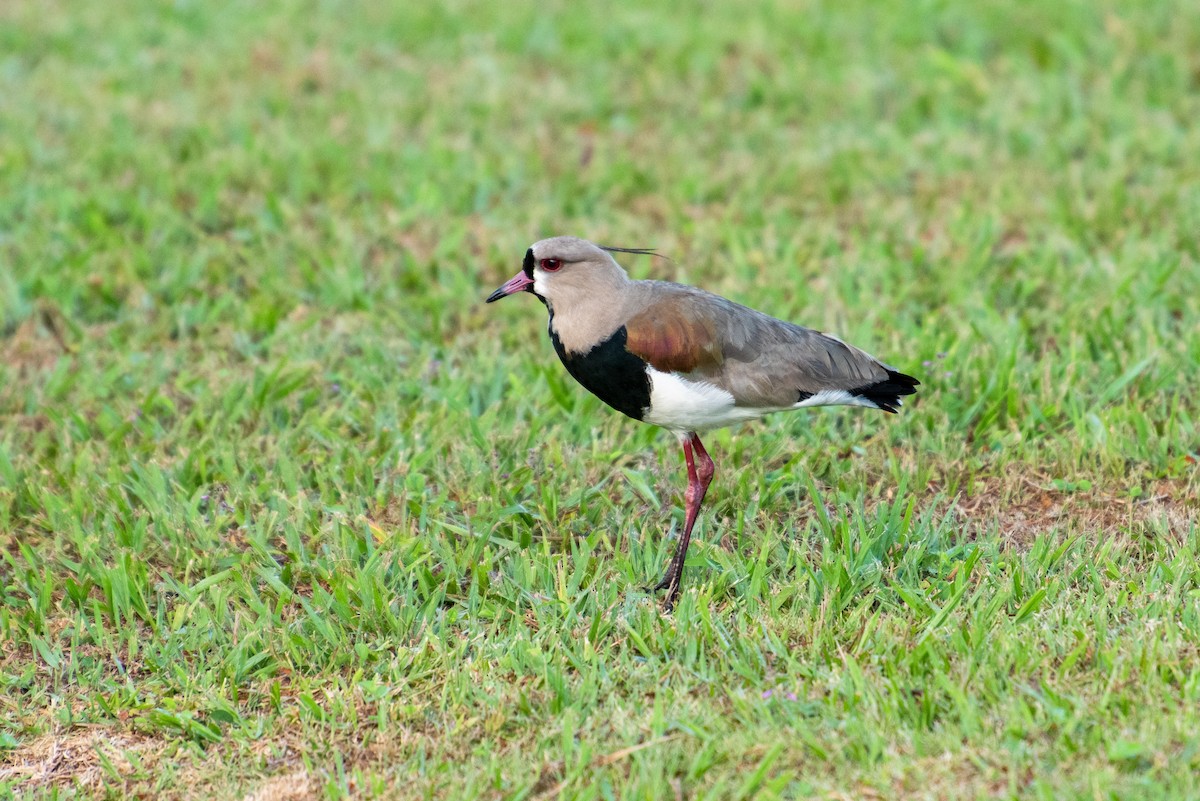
(687, 360)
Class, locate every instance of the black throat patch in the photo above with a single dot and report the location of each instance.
(610, 372)
(527, 268)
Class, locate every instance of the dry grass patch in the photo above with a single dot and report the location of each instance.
(87, 759)
(295, 786)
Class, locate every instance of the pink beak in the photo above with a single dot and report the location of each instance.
(517, 283)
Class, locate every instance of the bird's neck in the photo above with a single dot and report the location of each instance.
(580, 322)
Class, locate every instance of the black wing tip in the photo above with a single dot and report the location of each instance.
(905, 379)
(886, 394)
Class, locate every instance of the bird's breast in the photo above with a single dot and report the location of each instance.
(610, 372)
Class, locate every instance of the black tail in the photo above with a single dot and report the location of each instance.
(886, 394)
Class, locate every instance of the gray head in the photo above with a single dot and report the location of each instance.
(565, 270)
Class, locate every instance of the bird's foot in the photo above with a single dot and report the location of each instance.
(669, 578)
(670, 582)
(672, 597)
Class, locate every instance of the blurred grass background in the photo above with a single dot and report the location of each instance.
(282, 502)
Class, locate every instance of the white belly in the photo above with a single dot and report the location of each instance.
(682, 405)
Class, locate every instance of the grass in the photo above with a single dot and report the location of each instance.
(285, 509)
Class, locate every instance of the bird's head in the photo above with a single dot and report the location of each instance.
(564, 270)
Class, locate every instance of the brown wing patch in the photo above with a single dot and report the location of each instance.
(671, 340)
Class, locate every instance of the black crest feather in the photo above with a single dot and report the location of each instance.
(636, 251)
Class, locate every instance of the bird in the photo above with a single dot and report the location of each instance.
(687, 360)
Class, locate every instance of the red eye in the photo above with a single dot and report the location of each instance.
(550, 265)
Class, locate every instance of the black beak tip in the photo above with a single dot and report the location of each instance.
(495, 296)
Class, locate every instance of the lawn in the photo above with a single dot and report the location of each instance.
(287, 512)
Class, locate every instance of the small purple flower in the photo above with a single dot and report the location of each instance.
(767, 694)
(927, 363)
(790, 696)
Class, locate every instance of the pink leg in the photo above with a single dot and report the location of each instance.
(699, 477)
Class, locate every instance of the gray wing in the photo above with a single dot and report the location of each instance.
(763, 362)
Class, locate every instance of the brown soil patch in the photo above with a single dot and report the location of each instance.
(31, 347)
(1022, 511)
